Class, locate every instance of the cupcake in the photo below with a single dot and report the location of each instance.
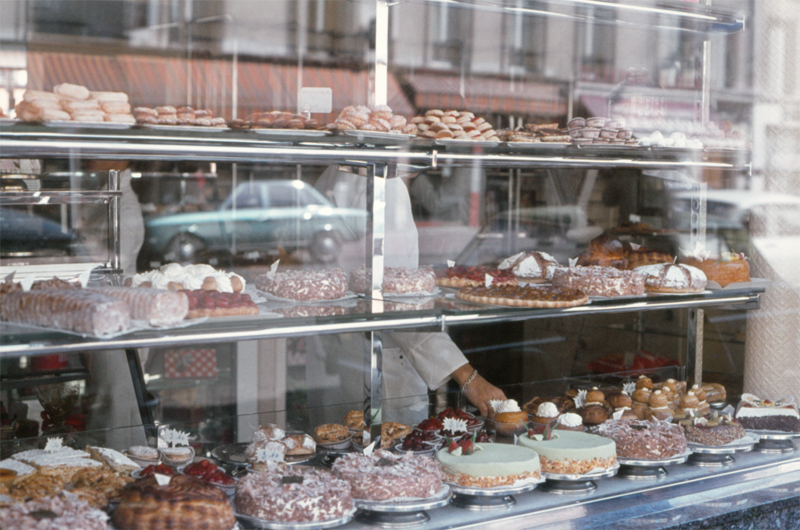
(143, 455)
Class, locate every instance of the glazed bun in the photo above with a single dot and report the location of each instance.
(658, 400)
(642, 395)
(644, 382)
(620, 400)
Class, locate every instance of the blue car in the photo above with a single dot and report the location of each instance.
(258, 218)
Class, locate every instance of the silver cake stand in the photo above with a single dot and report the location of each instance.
(400, 513)
(719, 455)
(774, 442)
(484, 499)
(575, 484)
(253, 522)
(640, 469)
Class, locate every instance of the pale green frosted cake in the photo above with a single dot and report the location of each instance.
(491, 465)
(573, 453)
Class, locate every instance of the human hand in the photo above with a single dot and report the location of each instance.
(479, 391)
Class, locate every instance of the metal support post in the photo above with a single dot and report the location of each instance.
(140, 389)
(114, 221)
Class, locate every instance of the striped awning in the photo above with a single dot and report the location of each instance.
(151, 81)
(487, 95)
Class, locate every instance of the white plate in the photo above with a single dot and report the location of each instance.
(538, 145)
(467, 143)
(378, 135)
(88, 124)
(192, 128)
(310, 133)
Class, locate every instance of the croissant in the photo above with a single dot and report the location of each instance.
(605, 252)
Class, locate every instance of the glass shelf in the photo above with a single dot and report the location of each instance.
(359, 317)
(35, 141)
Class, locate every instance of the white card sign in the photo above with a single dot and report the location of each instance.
(316, 100)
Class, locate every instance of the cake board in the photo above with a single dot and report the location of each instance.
(639, 469)
(487, 499)
(400, 514)
(721, 455)
(576, 484)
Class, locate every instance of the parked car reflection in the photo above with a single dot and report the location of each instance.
(27, 235)
(258, 218)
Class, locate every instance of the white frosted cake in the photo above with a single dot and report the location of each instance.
(491, 465)
(572, 453)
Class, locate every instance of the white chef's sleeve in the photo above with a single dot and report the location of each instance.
(434, 356)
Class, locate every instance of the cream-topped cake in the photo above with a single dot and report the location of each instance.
(17, 466)
(60, 457)
(490, 466)
(757, 414)
(116, 461)
(572, 453)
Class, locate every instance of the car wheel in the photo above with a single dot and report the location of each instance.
(184, 248)
(324, 247)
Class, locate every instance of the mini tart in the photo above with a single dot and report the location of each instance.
(176, 456)
(354, 419)
(527, 296)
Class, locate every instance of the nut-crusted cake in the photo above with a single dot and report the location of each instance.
(186, 502)
(714, 430)
(645, 439)
(293, 495)
(304, 285)
(62, 512)
(599, 281)
(531, 266)
(382, 475)
(571, 452)
(396, 280)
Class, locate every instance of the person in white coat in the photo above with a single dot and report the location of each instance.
(413, 362)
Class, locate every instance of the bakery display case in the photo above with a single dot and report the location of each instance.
(280, 145)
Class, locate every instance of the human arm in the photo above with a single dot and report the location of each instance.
(436, 359)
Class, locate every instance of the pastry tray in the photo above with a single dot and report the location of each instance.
(493, 492)
(87, 124)
(677, 459)
(603, 473)
(277, 525)
(441, 498)
(192, 128)
(288, 133)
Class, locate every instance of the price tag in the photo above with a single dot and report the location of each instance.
(488, 281)
(292, 480)
(273, 269)
(316, 100)
(635, 218)
(451, 263)
(162, 480)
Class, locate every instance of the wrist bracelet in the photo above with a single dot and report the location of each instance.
(469, 380)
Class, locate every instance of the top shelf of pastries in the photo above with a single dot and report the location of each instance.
(686, 15)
